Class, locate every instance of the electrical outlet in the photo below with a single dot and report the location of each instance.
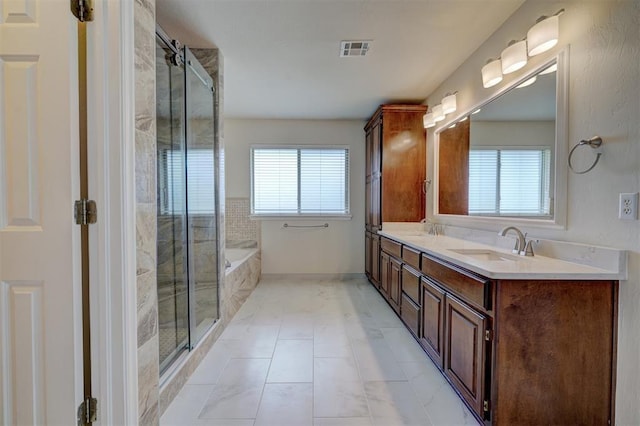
(628, 206)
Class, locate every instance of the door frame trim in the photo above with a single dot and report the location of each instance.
(111, 114)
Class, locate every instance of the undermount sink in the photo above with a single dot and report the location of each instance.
(486, 254)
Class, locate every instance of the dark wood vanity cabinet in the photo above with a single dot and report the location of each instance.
(396, 164)
(518, 352)
(395, 167)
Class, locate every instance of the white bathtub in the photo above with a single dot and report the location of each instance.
(236, 256)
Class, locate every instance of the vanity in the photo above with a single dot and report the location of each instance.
(522, 340)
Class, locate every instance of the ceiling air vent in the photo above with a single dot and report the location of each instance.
(354, 48)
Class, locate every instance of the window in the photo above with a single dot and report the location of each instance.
(200, 181)
(300, 181)
(510, 182)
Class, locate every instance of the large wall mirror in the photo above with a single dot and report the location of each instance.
(506, 157)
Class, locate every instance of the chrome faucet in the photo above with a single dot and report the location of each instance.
(434, 228)
(522, 247)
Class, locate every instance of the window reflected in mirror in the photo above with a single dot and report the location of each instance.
(500, 160)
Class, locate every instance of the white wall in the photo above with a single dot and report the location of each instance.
(604, 99)
(337, 249)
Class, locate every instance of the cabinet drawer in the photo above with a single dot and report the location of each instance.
(410, 314)
(411, 257)
(473, 288)
(391, 247)
(411, 284)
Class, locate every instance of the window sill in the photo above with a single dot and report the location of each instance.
(300, 217)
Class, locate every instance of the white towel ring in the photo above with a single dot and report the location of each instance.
(595, 143)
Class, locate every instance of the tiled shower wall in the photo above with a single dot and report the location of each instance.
(145, 161)
(241, 231)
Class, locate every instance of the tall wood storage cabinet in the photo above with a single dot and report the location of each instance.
(396, 172)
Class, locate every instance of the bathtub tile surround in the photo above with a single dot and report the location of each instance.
(339, 385)
(241, 232)
(145, 172)
(240, 281)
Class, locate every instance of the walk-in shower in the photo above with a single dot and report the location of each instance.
(187, 234)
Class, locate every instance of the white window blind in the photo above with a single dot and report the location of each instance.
(509, 182)
(483, 181)
(200, 181)
(300, 181)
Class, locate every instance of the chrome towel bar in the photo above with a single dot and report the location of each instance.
(286, 225)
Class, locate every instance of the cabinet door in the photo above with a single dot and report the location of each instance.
(403, 166)
(368, 218)
(395, 283)
(385, 269)
(367, 254)
(432, 332)
(376, 148)
(465, 351)
(368, 147)
(375, 258)
(376, 197)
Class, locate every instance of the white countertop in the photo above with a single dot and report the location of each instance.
(521, 267)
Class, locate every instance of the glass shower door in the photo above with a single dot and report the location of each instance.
(201, 198)
(187, 233)
(173, 303)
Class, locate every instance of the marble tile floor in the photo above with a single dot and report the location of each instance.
(316, 352)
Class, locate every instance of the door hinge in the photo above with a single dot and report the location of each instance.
(485, 405)
(82, 9)
(88, 411)
(488, 335)
(85, 212)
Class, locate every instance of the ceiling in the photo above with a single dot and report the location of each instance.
(282, 56)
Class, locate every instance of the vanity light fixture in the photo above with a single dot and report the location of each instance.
(514, 56)
(476, 111)
(449, 103)
(463, 119)
(552, 68)
(428, 120)
(491, 73)
(526, 83)
(438, 113)
(544, 34)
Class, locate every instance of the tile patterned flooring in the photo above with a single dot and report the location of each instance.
(316, 352)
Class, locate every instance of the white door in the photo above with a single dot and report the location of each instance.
(40, 304)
